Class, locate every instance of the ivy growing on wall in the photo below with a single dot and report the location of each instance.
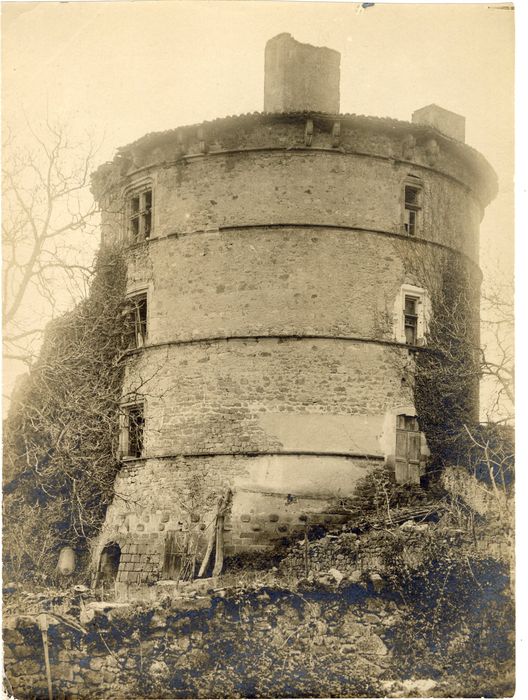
(447, 371)
(60, 436)
(447, 374)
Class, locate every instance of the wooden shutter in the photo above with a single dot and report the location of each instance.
(408, 442)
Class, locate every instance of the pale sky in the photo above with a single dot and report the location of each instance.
(119, 70)
(125, 69)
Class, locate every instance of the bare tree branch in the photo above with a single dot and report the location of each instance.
(47, 215)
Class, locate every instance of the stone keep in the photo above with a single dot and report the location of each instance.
(284, 265)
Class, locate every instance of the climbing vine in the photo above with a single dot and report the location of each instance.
(60, 436)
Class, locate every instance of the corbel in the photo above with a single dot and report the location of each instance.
(432, 151)
(182, 148)
(336, 134)
(202, 140)
(408, 146)
(308, 132)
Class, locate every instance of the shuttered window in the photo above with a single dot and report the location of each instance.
(408, 442)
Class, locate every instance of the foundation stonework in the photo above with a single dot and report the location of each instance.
(272, 363)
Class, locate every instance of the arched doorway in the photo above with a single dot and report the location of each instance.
(109, 563)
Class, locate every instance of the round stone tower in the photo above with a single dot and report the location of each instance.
(282, 268)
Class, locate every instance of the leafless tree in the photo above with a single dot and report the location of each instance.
(48, 215)
(497, 351)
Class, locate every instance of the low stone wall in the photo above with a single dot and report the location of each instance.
(267, 643)
(356, 556)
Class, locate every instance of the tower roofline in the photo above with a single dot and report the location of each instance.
(208, 130)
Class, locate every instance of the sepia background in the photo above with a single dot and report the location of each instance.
(106, 73)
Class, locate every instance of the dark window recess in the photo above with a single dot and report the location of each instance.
(408, 445)
(411, 320)
(140, 215)
(412, 207)
(411, 196)
(135, 426)
(137, 321)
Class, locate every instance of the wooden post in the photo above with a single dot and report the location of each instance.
(306, 571)
(210, 544)
(43, 626)
(217, 535)
(219, 554)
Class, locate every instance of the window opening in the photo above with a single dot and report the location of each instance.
(412, 207)
(140, 215)
(411, 319)
(136, 422)
(133, 424)
(137, 321)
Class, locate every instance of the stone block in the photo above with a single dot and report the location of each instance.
(96, 663)
(373, 645)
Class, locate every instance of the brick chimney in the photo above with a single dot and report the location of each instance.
(300, 77)
(449, 123)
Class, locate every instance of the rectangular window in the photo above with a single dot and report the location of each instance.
(411, 315)
(140, 215)
(411, 320)
(137, 320)
(412, 208)
(133, 423)
(408, 448)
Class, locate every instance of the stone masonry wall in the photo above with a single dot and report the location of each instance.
(177, 497)
(256, 395)
(270, 643)
(257, 264)
(267, 281)
(309, 188)
(395, 149)
(306, 187)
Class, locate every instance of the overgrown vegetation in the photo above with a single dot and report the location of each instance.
(60, 436)
(447, 372)
(457, 624)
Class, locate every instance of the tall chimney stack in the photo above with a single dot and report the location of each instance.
(449, 123)
(300, 77)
